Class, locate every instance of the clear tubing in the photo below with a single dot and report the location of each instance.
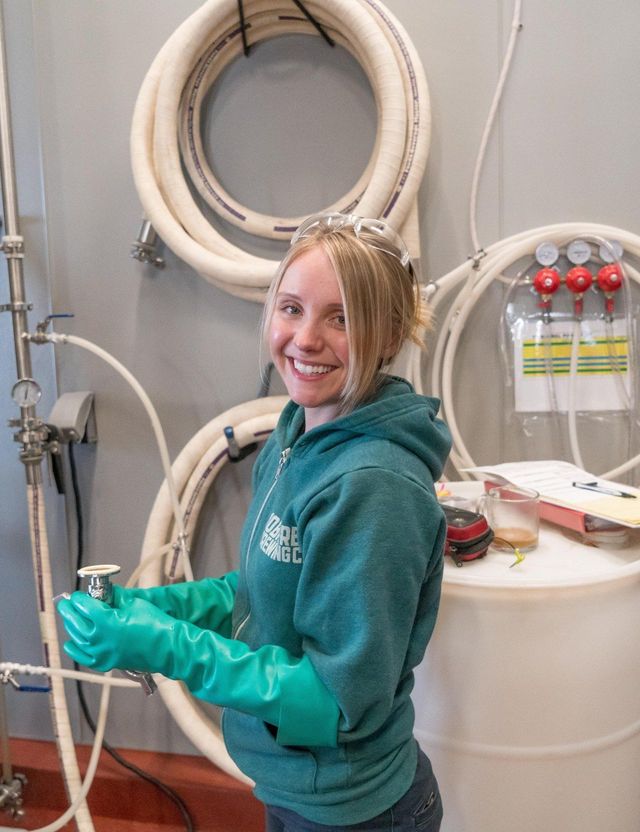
(571, 406)
(614, 364)
(497, 258)
(57, 338)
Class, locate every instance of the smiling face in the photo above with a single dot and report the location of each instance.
(308, 337)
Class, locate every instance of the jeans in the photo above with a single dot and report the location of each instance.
(419, 810)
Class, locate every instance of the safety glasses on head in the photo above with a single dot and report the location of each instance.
(335, 221)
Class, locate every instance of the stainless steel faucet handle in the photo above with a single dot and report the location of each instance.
(101, 588)
(99, 576)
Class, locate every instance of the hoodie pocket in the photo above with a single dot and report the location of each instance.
(255, 751)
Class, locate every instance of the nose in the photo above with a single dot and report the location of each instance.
(308, 336)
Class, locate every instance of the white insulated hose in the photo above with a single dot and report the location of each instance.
(194, 472)
(58, 702)
(166, 119)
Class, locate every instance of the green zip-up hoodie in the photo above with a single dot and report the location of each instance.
(341, 561)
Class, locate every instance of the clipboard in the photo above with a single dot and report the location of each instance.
(553, 479)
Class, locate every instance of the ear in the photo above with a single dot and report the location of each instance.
(391, 350)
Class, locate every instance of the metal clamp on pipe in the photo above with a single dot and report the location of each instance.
(13, 246)
(16, 307)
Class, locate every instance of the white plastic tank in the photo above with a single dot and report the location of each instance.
(528, 700)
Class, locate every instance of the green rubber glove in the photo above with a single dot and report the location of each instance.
(207, 603)
(269, 683)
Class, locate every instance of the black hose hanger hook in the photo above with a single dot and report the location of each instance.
(243, 29)
(314, 22)
(244, 26)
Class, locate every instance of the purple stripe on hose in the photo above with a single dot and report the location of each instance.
(416, 105)
(208, 58)
(38, 550)
(204, 476)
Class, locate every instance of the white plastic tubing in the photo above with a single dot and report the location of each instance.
(179, 542)
(165, 132)
(472, 279)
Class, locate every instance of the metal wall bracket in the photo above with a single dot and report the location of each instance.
(73, 418)
(144, 248)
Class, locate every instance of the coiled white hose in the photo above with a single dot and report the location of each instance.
(168, 108)
(194, 472)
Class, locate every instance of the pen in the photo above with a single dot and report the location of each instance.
(593, 486)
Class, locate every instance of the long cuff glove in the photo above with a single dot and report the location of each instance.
(207, 603)
(269, 683)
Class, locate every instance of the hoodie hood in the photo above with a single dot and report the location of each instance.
(397, 415)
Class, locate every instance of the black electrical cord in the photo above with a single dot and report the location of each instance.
(144, 775)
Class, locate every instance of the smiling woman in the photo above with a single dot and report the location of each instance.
(359, 274)
(310, 646)
(308, 338)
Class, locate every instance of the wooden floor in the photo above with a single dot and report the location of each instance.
(121, 802)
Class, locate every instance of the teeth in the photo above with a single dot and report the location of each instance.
(311, 369)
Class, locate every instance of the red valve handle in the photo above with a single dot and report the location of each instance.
(546, 281)
(578, 279)
(610, 278)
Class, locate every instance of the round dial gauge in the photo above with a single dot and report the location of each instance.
(26, 392)
(612, 252)
(578, 252)
(547, 253)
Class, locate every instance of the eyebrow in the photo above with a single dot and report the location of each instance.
(298, 299)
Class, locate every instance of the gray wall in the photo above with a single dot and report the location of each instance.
(564, 149)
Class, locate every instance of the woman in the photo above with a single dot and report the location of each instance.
(310, 646)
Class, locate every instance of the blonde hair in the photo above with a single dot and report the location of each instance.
(382, 303)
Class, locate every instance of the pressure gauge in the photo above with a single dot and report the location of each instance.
(547, 253)
(26, 392)
(611, 252)
(578, 252)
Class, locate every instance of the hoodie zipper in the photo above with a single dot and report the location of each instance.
(284, 456)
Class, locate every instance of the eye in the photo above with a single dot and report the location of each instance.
(290, 309)
(339, 321)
